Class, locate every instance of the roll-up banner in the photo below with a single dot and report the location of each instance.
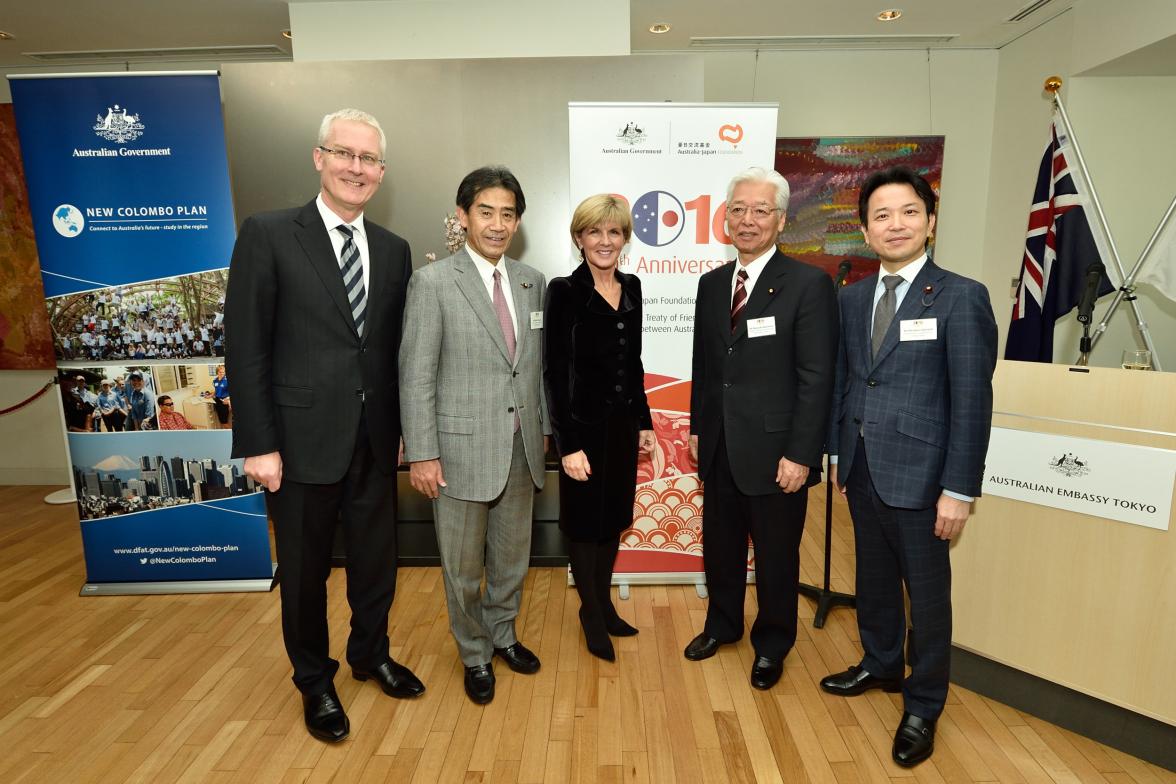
(672, 163)
(129, 192)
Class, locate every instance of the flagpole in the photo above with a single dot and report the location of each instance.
(1126, 290)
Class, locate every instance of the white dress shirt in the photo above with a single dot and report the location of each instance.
(332, 222)
(753, 270)
(486, 270)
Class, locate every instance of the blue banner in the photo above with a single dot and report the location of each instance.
(129, 192)
(127, 176)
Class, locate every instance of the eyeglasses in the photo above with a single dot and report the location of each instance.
(169, 405)
(758, 212)
(346, 156)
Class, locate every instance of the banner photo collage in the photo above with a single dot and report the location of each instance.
(133, 216)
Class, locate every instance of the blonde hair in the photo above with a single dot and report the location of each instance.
(602, 208)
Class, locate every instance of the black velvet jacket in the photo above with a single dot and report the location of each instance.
(591, 356)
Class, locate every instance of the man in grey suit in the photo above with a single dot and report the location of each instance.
(475, 420)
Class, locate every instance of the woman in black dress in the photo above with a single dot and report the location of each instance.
(600, 417)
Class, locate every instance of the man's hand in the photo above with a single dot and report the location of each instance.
(576, 466)
(400, 453)
(833, 478)
(950, 516)
(694, 448)
(646, 441)
(265, 470)
(426, 477)
(791, 476)
(546, 444)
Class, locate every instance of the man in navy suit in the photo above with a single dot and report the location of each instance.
(313, 317)
(765, 339)
(912, 410)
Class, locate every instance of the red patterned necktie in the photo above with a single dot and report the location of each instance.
(739, 300)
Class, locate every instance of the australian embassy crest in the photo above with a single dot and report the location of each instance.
(1069, 465)
(118, 126)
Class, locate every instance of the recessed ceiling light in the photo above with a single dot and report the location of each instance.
(889, 15)
(659, 28)
(6, 36)
(287, 34)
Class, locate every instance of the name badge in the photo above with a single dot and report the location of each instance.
(536, 319)
(761, 327)
(918, 329)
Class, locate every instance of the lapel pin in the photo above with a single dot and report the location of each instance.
(771, 291)
(526, 285)
(927, 292)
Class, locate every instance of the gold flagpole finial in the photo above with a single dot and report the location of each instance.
(1053, 84)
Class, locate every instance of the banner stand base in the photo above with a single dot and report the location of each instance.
(259, 585)
(697, 579)
(63, 496)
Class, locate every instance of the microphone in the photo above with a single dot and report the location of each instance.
(1094, 274)
(843, 270)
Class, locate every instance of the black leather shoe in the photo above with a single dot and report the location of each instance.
(701, 647)
(324, 716)
(855, 680)
(765, 672)
(519, 658)
(914, 741)
(395, 679)
(479, 683)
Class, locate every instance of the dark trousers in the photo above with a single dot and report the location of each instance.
(775, 523)
(304, 518)
(896, 547)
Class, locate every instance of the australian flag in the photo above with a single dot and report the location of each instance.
(1059, 247)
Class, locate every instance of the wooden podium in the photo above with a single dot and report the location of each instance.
(1081, 601)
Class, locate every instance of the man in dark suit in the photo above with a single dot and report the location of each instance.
(912, 409)
(313, 319)
(765, 337)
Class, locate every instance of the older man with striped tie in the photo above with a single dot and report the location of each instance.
(312, 323)
(765, 339)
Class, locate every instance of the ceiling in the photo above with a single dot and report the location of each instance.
(108, 30)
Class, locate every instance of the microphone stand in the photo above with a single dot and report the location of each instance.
(825, 598)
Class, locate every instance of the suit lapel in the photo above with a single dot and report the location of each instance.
(523, 292)
(469, 283)
(378, 273)
(312, 236)
(767, 286)
(913, 304)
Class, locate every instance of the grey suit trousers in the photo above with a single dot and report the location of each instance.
(482, 621)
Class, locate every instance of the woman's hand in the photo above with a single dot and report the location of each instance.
(646, 441)
(576, 466)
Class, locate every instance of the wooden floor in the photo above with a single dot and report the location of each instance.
(197, 688)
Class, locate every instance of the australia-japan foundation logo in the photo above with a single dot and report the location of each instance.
(118, 125)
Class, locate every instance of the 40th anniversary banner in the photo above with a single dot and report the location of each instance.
(129, 192)
(671, 163)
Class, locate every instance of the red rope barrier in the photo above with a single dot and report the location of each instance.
(26, 401)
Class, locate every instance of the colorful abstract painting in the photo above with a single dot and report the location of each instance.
(25, 339)
(824, 175)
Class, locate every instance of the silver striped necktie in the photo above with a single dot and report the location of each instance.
(352, 269)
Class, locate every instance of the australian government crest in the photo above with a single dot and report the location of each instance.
(1069, 464)
(118, 125)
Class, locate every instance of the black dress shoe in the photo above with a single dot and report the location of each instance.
(765, 672)
(701, 647)
(914, 741)
(519, 658)
(855, 680)
(479, 683)
(324, 716)
(395, 679)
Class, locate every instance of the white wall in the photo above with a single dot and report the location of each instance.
(33, 438)
(870, 93)
(1124, 126)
